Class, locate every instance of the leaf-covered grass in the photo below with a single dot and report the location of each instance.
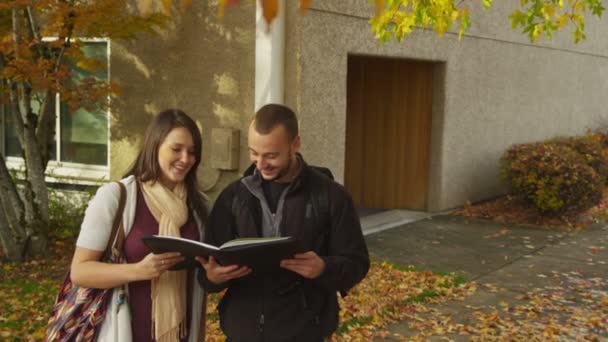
(387, 294)
(27, 292)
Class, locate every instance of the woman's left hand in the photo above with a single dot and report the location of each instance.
(153, 265)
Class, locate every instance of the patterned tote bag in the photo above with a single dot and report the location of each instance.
(79, 311)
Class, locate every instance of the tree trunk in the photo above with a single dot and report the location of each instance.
(10, 196)
(24, 225)
(35, 194)
(12, 250)
(12, 232)
(35, 169)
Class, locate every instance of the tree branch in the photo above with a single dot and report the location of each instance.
(25, 105)
(45, 130)
(43, 50)
(18, 123)
(33, 21)
(15, 90)
(46, 118)
(68, 26)
(16, 30)
(14, 108)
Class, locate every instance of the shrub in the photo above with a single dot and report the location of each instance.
(552, 177)
(602, 137)
(591, 149)
(66, 211)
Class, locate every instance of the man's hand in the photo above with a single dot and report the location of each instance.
(218, 274)
(308, 265)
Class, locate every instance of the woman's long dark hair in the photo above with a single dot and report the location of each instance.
(146, 166)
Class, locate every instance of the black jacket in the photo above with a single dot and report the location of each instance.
(284, 306)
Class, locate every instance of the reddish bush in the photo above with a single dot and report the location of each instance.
(592, 149)
(551, 176)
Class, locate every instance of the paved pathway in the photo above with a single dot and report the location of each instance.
(513, 265)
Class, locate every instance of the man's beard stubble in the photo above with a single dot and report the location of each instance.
(284, 170)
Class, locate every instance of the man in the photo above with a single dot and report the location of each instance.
(298, 302)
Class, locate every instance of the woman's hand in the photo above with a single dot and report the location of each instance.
(153, 265)
(218, 274)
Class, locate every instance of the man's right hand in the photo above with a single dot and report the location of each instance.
(218, 274)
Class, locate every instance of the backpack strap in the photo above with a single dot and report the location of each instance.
(319, 196)
(117, 236)
(236, 203)
(324, 171)
(239, 201)
(320, 200)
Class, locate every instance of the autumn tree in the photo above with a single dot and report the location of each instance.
(39, 50)
(396, 19)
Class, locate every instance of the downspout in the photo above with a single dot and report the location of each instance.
(269, 57)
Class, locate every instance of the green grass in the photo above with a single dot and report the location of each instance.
(353, 322)
(421, 298)
(458, 279)
(26, 307)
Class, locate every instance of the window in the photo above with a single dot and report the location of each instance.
(11, 143)
(82, 150)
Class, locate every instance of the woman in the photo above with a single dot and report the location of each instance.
(162, 198)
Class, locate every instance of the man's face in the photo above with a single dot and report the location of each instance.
(272, 153)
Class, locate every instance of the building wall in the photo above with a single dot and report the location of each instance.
(496, 89)
(200, 65)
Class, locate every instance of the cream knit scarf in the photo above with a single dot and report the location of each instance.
(169, 290)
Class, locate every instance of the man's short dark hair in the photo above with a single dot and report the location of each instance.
(271, 115)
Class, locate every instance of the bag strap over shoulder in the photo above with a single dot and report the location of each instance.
(320, 194)
(117, 233)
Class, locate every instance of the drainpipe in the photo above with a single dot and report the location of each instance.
(269, 57)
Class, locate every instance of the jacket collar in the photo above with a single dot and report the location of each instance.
(253, 175)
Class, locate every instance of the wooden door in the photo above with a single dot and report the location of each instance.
(388, 132)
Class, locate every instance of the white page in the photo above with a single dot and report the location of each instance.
(188, 241)
(252, 241)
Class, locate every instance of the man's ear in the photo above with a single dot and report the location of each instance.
(295, 144)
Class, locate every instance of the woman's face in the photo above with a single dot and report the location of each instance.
(176, 156)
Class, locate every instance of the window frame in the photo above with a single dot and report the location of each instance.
(58, 171)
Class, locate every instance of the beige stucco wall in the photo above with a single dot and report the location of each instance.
(200, 65)
(499, 89)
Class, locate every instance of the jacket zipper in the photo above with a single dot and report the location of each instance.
(261, 320)
(262, 323)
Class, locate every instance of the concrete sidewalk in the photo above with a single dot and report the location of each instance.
(505, 260)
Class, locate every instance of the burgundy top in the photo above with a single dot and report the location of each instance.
(139, 291)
